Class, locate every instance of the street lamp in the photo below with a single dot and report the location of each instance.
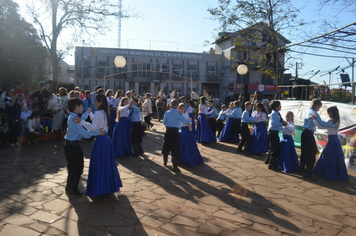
(119, 62)
(242, 70)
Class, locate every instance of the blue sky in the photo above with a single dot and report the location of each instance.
(185, 25)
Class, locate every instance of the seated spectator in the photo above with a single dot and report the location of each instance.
(4, 130)
(33, 127)
(46, 119)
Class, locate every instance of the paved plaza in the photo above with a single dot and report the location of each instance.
(156, 201)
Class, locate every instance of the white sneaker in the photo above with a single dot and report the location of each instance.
(17, 144)
(12, 145)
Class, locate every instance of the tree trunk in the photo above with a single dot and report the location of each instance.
(54, 57)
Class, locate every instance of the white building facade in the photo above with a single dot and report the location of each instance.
(149, 70)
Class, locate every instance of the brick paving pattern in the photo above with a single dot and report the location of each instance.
(156, 201)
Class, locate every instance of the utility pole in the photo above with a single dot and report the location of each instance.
(82, 69)
(119, 25)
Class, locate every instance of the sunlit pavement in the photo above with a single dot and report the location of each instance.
(156, 201)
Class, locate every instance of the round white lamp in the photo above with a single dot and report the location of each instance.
(242, 70)
(120, 61)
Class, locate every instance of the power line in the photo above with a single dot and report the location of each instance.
(319, 55)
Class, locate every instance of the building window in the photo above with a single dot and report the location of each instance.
(193, 69)
(177, 70)
(101, 67)
(211, 71)
(142, 69)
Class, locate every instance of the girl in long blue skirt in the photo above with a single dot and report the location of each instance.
(122, 132)
(204, 133)
(103, 176)
(259, 142)
(288, 158)
(331, 164)
(188, 149)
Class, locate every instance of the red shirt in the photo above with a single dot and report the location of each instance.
(18, 91)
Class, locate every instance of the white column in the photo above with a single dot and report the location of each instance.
(162, 86)
(127, 86)
(137, 87)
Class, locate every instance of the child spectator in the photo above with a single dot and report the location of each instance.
(33, 127)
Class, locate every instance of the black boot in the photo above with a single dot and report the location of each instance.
(72, 185)
(135, 149)
(308, 175)
(141, 152)
(165, 160)
(268, 157)
(247, 146)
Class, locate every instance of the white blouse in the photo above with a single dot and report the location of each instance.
(331, 131)
(99, 121)
(264, 117)
(289, 128)
(110, 100)
(186, 116)
(116, 102)
(228, 111)
(189, 110)
(124, 111)
(204, 110)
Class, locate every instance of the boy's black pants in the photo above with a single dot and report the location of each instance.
(171, 144)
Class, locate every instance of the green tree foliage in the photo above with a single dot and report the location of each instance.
(52, 17)
(260, 23)
(22, 55)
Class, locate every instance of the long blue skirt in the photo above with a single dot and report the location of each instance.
(121, 138)
(204, 133)
(331, 163)
(103, 177)
(188, 149)
(259, 142)
(226, 133)
(112, 122)
(191, 115)
(287, 158)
